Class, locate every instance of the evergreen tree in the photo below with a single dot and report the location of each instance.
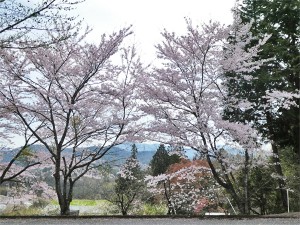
(129, 182)
(162, 160)
(280, 125)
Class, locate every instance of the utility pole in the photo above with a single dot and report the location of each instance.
(287, 197)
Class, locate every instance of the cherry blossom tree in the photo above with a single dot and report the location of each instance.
(129, 183)
(23, 177)
(71, 95)
(187, 186)
(17, 165)
(185, 96)
(24, 24)
(31, 190)
(14, 163)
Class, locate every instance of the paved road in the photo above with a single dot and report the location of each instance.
(194, 221)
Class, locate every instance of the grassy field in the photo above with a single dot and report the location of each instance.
(86, 207)
(84, 202)
(92, 207)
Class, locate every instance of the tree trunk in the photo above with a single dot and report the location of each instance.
(281, 182)
(65, 209)
(124, 212)
(227, 184)
(246, 184)
(171, 210)
(276, 159)
(65, 200)
(263, 204)
(122, 204)
(63, 191)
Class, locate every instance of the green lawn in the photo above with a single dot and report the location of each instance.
(85, 202)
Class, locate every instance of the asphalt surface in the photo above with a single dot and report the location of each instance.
(148, 221)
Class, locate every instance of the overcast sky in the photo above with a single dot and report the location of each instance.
(150, 17)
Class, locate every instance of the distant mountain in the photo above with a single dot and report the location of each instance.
(7, 155)
(117, 155)
(152, 147)
(142, 147)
